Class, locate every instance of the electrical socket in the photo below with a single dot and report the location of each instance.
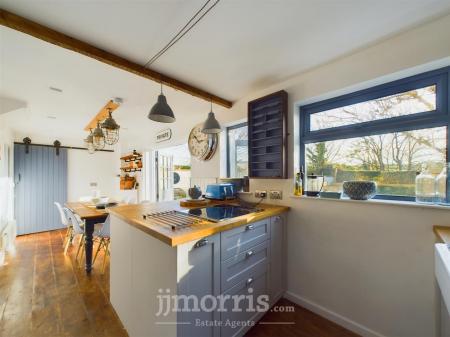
(260, 194)
(276, 195)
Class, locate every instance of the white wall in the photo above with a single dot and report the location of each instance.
(84, 168)
(367, 266)
(7, 224)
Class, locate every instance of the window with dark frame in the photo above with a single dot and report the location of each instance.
(386, 134)
(237, 151)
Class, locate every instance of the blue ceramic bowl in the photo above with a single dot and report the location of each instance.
(360, 190)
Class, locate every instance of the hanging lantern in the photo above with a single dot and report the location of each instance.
(89, 141)
(110, 130)
(98, 138)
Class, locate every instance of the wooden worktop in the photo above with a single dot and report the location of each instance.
(443, 233)
(132, 214)
(86, 210)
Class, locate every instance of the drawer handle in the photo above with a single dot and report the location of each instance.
(249, 281)
(249, 227)
(201, 243)
(249, 253)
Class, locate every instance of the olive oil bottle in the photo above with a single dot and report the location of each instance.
(298, 185)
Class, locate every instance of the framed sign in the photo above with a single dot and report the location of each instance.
(163, 135)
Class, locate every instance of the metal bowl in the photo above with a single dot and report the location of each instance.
(360, 190)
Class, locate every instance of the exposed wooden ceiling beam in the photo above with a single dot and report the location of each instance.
(39, 31)
(102, 114)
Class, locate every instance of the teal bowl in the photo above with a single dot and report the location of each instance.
(330, 195)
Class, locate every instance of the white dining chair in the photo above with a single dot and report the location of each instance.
(103, 237)
(77, 229)
(68, 224)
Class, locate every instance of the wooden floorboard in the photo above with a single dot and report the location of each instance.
(46, 293)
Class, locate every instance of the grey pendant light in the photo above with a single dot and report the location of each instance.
(161, 111)
(211, 124)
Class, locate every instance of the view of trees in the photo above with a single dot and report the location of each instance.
(402, 152)
(238, 151)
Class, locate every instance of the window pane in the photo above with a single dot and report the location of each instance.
(391, 159)
(238, 152)
(406, 103)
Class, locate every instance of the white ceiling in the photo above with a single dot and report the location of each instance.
(29, 67)
(240, 46)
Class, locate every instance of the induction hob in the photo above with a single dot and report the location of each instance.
(220, 212)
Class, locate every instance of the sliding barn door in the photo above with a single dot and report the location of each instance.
(40, 178)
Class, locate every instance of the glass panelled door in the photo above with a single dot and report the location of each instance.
(165, 170)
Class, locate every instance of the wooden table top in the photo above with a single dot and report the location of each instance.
(86, 210)
(443, 233)
(132, 214)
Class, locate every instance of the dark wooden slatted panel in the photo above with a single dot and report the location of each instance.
(267, 132)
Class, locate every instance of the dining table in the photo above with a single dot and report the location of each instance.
(91, 215)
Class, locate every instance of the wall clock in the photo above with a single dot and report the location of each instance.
(202, 146)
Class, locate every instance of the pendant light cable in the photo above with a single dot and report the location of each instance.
(183, 31)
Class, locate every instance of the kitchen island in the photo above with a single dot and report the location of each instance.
(205, 279)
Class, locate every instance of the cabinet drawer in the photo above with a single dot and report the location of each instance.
(249, 309)
(242, 266)
(243, 238)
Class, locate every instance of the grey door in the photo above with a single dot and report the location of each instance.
(40, 178)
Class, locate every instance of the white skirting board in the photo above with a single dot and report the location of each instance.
(332, 316)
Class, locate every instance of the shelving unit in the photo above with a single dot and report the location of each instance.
(131, 163)
(267, 132)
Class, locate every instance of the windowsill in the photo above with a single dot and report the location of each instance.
(377, 202)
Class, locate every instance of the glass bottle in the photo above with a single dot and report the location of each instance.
(441, 185)
(298, 185)
(425, 186)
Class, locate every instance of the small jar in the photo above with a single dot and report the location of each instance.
(441, 185)
(425, 186)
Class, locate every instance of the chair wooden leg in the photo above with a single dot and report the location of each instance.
(71, 236)
(98, 249)
(80, 246)
(82, 253)
(66, 247)
(67, 236)
(106, 255)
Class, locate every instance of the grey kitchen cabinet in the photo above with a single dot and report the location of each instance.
(199, 276)
(277, 265)
(241, 238)
(232, 262)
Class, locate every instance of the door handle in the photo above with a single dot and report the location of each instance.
(249, 253)
(249, 281)
(249, 227)
(201, 243)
